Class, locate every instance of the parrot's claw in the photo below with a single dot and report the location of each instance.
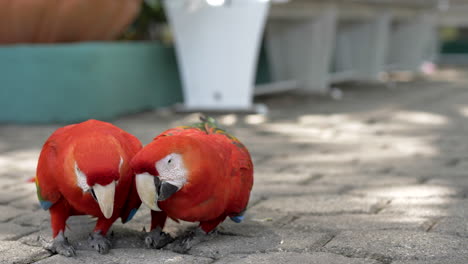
(60, 245)
(184, 243)
(157, 239)
(99, 242)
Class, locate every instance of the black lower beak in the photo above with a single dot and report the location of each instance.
(166, 190)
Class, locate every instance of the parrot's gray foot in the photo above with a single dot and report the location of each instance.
(60, 245)
(157, 239)
(99, 242)
(184, 243)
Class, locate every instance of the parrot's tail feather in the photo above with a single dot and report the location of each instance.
(203, 118)
(208, 119)
(31, 180)
(237, 219)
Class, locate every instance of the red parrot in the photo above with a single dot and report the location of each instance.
(83, 169)
(195, 173)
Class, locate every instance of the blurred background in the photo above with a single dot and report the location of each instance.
(74, 60)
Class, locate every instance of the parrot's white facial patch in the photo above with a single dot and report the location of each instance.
(172, 170)
(81, 179)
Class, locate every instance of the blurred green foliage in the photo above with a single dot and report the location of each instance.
(454, 40)
(150, 23)
(449, 34)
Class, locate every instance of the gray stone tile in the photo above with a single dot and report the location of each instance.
(235, 239)
(410, 191)
(367, 179)
(323, 204)
(398, 245)
(301, 241)
(293, 257)
(448, 260)
(8, 213)
(452, 225)
(285, 189)
(30, 203)
(33, 218)
(11, 231)
(450, 180)
(127, 256)
(15, 252)
(11, 195)
(427, 207)
(290, 239)
(361, 222)
(280, 175)
(6, 181)
(269, 217)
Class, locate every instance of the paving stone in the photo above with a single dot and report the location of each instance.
(293, 257)
(290, 239)
(20, 163)
(284, 189)
(11, 231)
(301, 241)
(448, 260)
(323, 204)
(39, 219)
(6, 181)
(142, 219)
(15, 252)
(123, 237)
(427, 207)
(452, 225)
(126, 256)
(398, 245)
(367, 180)
(455, 180)
(29, 202)
(280, 175)
(412, 191)
(10, 195)
(362, 222)
(268, 217)
(244, 238)
(8, 213)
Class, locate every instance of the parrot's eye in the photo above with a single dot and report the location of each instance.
(169, 161)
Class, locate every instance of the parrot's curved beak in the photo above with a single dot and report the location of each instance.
(105, 198)
(166, 190)
(147, 190)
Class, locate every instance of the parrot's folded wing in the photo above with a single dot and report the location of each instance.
(47, 191)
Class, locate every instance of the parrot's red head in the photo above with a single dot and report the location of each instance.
(97, 166)
(164, 167)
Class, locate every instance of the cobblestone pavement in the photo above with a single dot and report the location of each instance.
(377, 177)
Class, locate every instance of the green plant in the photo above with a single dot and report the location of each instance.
(151, 16)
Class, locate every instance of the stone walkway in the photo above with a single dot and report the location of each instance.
(380, 176)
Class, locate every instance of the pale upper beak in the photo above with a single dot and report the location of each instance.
(105, 198)
(146, 189)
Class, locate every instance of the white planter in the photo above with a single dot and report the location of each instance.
(361, 48)
(411, 42)
(301, 49)
(217, 50)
